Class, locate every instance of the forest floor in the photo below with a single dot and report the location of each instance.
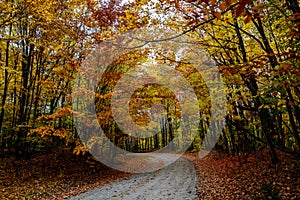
(61, 175)
(56, 175)
(224, 177)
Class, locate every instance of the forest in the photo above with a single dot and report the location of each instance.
(250, 46)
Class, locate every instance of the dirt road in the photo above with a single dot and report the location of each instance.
(176, 181)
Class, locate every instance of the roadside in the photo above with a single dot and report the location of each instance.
(224, 177)
(55, 175)
(61, 175)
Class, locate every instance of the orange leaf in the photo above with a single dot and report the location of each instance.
(218, 15)
(177, 4)
(222, 6)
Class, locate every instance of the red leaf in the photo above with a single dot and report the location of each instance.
(248, 19)
(241, 7)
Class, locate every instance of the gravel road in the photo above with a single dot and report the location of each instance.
(176, 181)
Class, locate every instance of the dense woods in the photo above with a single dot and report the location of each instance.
(254, 44)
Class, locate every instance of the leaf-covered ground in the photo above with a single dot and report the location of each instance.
(60, 175)
(223, 177)
(52, 176)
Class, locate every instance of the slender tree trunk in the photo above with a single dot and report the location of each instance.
(266, 120)
(6, 82)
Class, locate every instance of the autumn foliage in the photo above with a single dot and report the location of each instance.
(254, 44)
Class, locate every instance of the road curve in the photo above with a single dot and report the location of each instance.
(176, 181)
